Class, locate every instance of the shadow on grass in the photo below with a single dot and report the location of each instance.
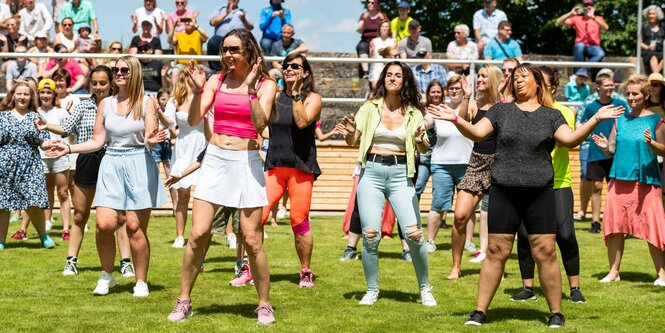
(222, 270)
(395, 295)
(470, 271)
(24, 245)
(513, 291)
(293, 278)
(496, 315)
(629, 276)
(212, 259)
(244, 310)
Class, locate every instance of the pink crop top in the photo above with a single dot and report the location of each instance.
(232, 114)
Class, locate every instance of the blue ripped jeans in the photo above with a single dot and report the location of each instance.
(377, 183)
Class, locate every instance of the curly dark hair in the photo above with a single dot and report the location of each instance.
(308, 81)
(409, 94)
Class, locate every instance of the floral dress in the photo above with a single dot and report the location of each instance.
(22, 182)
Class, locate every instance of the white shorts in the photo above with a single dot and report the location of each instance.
(72, 161)
(56, 165)
(232, 178)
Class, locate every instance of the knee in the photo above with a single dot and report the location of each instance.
(80, 218)
(597, 187)
(544, 253)
(106, 228)
(494, 251)
(63, 195)
(300, 226)
(414, 234)
(132, 228)
(461, 218)
(371, 239)
(253, 242)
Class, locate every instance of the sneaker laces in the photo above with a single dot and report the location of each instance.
(180, 305)
(264, 310)
(306, 276)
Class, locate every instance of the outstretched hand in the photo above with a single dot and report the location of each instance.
(197, 77)
(601, 141)
(442, 112)
(57, 149)
(40, 124)
(172, 180)
(647, 136)
(347, 126)
(467, 88)
(610, 112)
(156, 137)
(420, 133)
(253, 77)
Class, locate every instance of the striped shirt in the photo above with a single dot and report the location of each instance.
(81, 120)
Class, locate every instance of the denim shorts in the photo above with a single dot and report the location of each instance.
(444, 179)
(162, 151)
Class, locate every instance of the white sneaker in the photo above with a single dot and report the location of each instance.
(281, 212)
(231, 241)
(178, 243)
(371, 296)
(470, 247)
(478, 258)
(141, 289)
(659, 283)
(48, 225)
(86, 228)
(608, 279)
(426, 296)
(105, 282)
(265, 235)
(431, 246)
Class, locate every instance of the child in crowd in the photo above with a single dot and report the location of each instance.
(85, 43)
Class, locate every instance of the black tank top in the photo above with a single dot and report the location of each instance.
(289, 145)
(488, 145)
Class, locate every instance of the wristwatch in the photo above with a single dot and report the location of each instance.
(296, 97)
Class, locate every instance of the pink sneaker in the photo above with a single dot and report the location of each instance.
(182, 310)
(244, 278)
(306, 278)
(20, 235)
(266, 315)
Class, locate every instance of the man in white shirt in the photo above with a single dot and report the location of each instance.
(151, 13)
(35, 19)
(19, 68)
(486, 24)
(5, 14)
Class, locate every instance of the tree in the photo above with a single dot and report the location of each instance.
(534, 23)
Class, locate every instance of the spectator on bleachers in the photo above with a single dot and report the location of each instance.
(19, 68)
(502, 46)
(154, 71)
(66, 36)
(35, 19)
(85, 42)
(190, 41)
(146, 37)
(41, 46)
(176, 24)
(77, 77)
(461, 48)
(114, 47)
(285, 47)
(13, 37)
(80, 11)
(408, 47)
(150, 12)
(271, 21)
(485, 23)
(578, 90)
(5, 13)
(225, 19)
(400, 25)
(653, 34)
(383, 46)
(426, 72)
(587, 27)
(368, 28)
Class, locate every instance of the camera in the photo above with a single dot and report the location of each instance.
(581, 11)
(185, 20)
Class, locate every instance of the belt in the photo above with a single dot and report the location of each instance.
(386, 159)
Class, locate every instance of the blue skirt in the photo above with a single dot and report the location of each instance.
(129, 180)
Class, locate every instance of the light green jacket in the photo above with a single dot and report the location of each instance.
(367, 120)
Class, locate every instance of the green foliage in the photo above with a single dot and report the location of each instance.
(534, 22)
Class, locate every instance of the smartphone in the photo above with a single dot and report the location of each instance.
(185, 20)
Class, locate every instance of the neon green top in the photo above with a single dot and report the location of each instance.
(560, 159)
(401, 28)
(368, 118)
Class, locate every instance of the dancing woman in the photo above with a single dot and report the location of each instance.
(23, 186)
(522, 178)
(128, 186)
(231, 174)
(389, 128)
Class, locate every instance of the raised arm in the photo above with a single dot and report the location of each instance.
(478, 132)
(261, 101)
(468, 108)
(607, 146)
(570, 138)
(203, 94)
(307, 111)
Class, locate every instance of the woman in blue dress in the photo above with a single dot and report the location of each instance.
(22, 182)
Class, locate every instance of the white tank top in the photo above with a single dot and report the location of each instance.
(123, 132)
(451, 146)
(69, 43)
(392, 140)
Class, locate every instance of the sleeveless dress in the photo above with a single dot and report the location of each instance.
(189, 144)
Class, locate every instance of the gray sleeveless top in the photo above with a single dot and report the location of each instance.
(123, 132)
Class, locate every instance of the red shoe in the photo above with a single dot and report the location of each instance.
(65, 235)
(20, 235)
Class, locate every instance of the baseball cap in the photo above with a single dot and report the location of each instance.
(606, 71)
(582, 72)
(40, 34)
(421, 52)
(403, 4)
(84, 26)
(414, 24)
(46, 83)
(588, 2)
(146, 20)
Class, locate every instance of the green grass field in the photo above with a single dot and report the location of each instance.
(35, 297)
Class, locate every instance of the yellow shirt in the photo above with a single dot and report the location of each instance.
(400, 28)
(560, 159)
(189, 44)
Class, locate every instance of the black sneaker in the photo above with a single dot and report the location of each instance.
(595, 227)
(524, 295)
(576, 296)
(476, 318)
(556, 320)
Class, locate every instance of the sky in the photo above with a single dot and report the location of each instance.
(323, 25)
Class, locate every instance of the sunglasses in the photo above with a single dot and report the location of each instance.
(232, 49)
(66, 24)
(179, 2)
(122, 70)
(116, 49)
(293, 66)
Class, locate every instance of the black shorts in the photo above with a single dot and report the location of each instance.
(509, 207)
(599, 170)
(362, 47)
(87, 169)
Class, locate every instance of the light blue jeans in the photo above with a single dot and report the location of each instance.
(424, 172)
(377, 183)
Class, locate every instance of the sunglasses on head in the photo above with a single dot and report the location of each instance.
(293, 66)
(121, 70)
(232, 49)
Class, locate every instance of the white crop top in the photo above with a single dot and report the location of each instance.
(123, 132)
(392, 140)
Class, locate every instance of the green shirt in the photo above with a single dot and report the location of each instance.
(85, 13)
(400, 28)
(368, 118)
(560, 159)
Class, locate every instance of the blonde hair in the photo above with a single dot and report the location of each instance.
(9, 103)
(135, 90)
(642, 80)
(494, 76)
(111, 45)
(180, 88)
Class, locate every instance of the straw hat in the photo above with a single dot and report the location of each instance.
(656, 77)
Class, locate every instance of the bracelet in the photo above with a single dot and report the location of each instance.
(596, 117)
(69, 148)
(455, 119)
(467, 97)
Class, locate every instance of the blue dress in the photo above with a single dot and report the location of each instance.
(22, 182)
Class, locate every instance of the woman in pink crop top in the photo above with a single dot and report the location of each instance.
(231, 172)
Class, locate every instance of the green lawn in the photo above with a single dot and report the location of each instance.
(35, 297)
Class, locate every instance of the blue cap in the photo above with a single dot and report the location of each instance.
(84, 26)
(404, 4)
(582, 72)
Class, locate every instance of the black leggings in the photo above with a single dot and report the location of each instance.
(565, 238)
(354, 224)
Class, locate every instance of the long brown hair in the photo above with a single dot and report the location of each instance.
(308, 81)
(543, 95)
(8, 103)
(252, 50)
